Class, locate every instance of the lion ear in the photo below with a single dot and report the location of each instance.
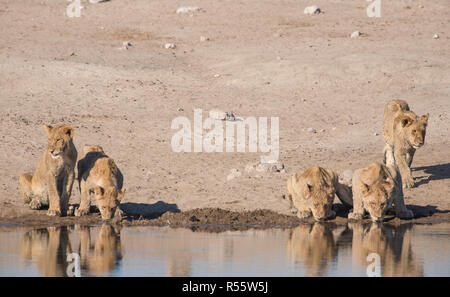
(425, 118)
(48, 128)
(406, 121)
(99, 191)
(364, 188)
(121, 194)
(69, 131)
(389, 184)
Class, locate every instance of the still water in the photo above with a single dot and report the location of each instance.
(307, 250)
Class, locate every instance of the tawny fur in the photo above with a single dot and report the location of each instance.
(375, 188)
(98, 174)
(312, 193)
(51, 184)
(403, 133)
(391, 243)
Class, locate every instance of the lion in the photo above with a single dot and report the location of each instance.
(403, 132)
(312, 193)
(375, 188)
(51, 184)
(98, 174)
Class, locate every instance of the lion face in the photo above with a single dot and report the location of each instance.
(59, 139)
(108, 200)
(415, 129)
(320, 199)
(377, 198)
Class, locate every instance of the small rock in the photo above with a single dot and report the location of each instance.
(311, 10)
(194, 219)
(170, 46)
(311, 130)
(233, 173)
(188, 9)
(216, 75)
(97, 1)
(322, 130)
(420, 6)
(436, 36)
(126, 43)
(375, 134)
(180, 109)
(204, 38)
(355, 34)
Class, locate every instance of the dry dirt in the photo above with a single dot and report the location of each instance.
(264, 58)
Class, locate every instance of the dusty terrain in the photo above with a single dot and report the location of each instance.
(263, 58)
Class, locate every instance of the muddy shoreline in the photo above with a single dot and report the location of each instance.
(217, 219)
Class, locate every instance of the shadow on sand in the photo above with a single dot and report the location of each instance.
(147, 211)
(437, 172)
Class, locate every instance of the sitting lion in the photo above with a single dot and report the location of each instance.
(98, 174)
(51, 184)
(403, 132)
(375, 188)
(313, 193)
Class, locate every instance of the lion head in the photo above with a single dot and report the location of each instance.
(59, 139)
(319, 192)
(108, 200)
(413, 128)
(377, 186)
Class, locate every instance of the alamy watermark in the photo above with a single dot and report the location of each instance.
(374, 8)
(374, 268)
(74, 268)
(191, 138)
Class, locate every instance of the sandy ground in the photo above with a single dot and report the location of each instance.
(263, 58)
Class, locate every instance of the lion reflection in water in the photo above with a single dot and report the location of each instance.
(315, 245)
(49, 247)
(318, 245)
(393, 244)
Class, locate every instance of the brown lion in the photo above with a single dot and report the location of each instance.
(375, 188)
(51, 184)
(98, 174)
(403, 132)
(312, 193)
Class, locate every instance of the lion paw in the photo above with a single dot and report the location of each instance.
(81, 212)
(53, 213)
(406, 214)
(355, 216)
(408, 183)
(35, 204)
(303, 214)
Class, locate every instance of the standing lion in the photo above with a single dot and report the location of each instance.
(403, 132)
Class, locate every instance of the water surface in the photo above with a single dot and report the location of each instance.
(307, 250)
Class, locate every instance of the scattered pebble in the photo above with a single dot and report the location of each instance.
(188, 9)
(204, 38)
(216, 75)
(322, 130)
(311, 10)
(436, 36)
(180, 109)
(311, 130)
(420, 6)
(355, 34)
(233, 174)
(375, 134)
(170, 46)
(97, 1)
